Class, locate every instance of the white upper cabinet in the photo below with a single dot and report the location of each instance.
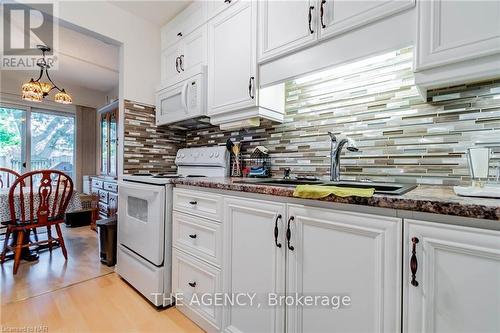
(232, 59)
(170, 69)
(185, 22)
(339, 16)
(341, 254)
(457, 42)
(454, 31)
(184, 59)
(285, 26)
(454, 285)
(214, 7)
(253, 263)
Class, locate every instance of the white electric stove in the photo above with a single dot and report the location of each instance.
(145, 220)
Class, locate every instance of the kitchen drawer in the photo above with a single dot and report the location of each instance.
(112, 187)
(192, 276)
(96, 183)
(197, 236)
(198, 203)
(103, 208)
(103, 196)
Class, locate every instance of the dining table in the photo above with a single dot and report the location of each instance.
(28, 254)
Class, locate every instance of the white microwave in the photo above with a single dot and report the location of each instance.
(181, 101)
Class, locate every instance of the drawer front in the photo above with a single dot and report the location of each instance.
(198, 203)
(197, 236)
(103, 196)
(97, 183)
(103, 208)
(110, 187)
(192, 276)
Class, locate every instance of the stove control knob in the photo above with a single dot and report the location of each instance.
(217, 154)
(211, 155)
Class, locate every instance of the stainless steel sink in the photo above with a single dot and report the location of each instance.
(380, 188)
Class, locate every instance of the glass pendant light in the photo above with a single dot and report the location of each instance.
(36, 90)
(32, 91)
(63, 98)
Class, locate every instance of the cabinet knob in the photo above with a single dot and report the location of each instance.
(194, 202)
(192, 236)
(192, 284)
(179, 34)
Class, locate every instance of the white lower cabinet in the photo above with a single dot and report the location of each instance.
(194, 280)
(253, 263)
(355, 260)
(329, 253)
(456, 281)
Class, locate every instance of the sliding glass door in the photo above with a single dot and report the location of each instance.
(48, 144)
(52, 141)
(13, 138)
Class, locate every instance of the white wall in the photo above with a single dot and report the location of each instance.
(140, 40)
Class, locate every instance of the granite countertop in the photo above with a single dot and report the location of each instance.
(425, 198)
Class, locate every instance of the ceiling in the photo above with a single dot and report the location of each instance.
(158, 12)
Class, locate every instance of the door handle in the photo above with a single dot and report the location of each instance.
(311, 8)
(192, 284)
(180, 62)
(250, 87)
(194, 202)
(321, 11)
(184, 100)
(413, 262)
(289, 233)
(192, 236)
(177, 65)
(179, 34)
(227, 1)
(276, 230)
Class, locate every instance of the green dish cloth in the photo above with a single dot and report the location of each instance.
(317, 191)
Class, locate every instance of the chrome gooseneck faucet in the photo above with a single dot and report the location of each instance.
(336, 148)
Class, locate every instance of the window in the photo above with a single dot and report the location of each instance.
(108, 138)
(48, 144)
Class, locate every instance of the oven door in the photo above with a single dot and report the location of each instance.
(141, 219)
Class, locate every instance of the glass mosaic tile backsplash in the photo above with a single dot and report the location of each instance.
(400, 136)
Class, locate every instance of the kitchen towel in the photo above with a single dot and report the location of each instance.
(317, 191)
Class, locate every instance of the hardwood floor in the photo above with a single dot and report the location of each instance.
(103, 304)
(52, 272)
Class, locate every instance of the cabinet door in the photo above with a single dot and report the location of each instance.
(193, 53)
(285, 26)
(170, 70)
(253, 263)
(340, 16)
(232, 58)
(453, 31)
(457, 282)
(343, 254)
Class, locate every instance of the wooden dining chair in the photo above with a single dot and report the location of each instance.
(43, 205)
(8, 173)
